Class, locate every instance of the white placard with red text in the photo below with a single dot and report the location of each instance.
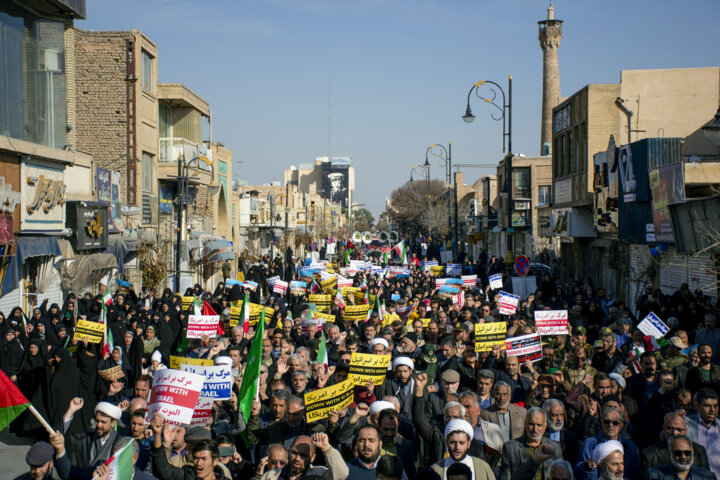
(552, 322)
(201, 325)
(174, 395)
(507, 303)
(202, 412)
(525, 347)
(469, 280)
(280, 287)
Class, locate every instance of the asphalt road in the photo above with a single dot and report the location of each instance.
(12, 455)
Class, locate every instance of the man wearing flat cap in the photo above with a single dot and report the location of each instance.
(40, 460)
(458, 437)
(92, 449)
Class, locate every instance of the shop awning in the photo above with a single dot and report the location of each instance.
(28, 247)
(222, 256)
(66, 249)
(123, 248)
(87, 270)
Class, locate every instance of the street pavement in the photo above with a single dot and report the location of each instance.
(12, 455)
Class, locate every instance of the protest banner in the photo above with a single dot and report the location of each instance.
(359, 296)
(321, 301)
(201, 325)
(507, 303)
(319, 402)
(356, 313)
(256, 310)
(357, 265)
(174, 395)
(202, 413)
(298, 288)
(93, 332)
(653, 326)
(329, 284)
(235, 313)
(453, 269)
(111, 374)
(487, 335)
(425, 322)
(324, 316)
(366, 367)
(551, 322)
(469, 281)
(405, 311)
(525, 347)
(252, 286)
(176, 362)
(437, 270)
(271, 281)
(280, 287)
(440, 282)
(187, 301)
(496, 282)
(218, 380)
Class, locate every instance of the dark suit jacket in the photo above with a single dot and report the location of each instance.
(667, 472)
(568, 443)
(389, 387)
(517, 419)
(515, 463)
(658, 454)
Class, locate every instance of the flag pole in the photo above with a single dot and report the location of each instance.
(40, 419)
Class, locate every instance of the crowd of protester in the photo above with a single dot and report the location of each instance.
(604, 401)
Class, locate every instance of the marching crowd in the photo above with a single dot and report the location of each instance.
(605, 400)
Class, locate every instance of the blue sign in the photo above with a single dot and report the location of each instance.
(103, 185)
(453, 269)
(166, 198)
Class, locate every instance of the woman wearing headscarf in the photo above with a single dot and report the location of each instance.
(68, 315)
(87, 358)
(63, 386)
(150, 343)
(33, 383)
(13, 353)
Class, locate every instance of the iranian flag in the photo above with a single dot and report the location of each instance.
(107, 338)
(339, 299)
(107, 298)
(322, 356)
(245, 315)
(400, 249)
(376, 308)
(12, 401)
(121, 463)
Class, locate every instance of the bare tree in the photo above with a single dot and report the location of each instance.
(435, 219)
(409, 203)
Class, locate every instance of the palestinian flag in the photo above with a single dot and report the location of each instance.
(121, 463)
(400, 250)
(245, 315)
(12, 401)
(107, 299)
(322, 356)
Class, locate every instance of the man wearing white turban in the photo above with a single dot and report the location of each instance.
(458, 436)
(92, 449)
(610, 460)
(402, 386)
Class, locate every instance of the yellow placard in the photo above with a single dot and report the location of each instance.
(320, 402)
(426, 322)
(329, 284)
(437, 270)
(359, 296)
(366, 367)
(356, 313)
(93, 332)
(186, 302)
(255, 312)
(111, 374)
(175, 362)
(322, 302)
(325, 316)
(235, 315)
(489, 334)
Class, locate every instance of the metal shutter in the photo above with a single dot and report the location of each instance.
(10, 301)
(673, 271)
(702, 275)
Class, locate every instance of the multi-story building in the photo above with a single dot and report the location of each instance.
(39, 149)
(333, 179)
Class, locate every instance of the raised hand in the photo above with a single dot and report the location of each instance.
(321, 441)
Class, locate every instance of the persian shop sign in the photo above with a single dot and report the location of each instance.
(43, 194)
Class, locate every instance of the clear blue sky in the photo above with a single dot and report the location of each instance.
(400, 71)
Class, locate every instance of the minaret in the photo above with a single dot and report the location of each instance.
(550, 35)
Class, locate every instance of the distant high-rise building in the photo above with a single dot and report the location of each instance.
(550, 34)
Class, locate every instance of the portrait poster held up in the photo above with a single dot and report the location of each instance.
(174, 395)
(336, 397)
(366, 367)
(487, 335)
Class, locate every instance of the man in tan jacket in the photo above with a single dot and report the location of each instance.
(301, 455)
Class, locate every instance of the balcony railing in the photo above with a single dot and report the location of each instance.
(170, 150)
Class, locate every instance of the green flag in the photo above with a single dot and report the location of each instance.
(248, 389)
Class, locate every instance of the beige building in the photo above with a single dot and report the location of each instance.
(332, 179)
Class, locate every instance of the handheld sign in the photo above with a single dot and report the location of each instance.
(201, 325)
(336, 397)
(469, 280)
(218, 380)
(507, 303)
(453, 269)
(366, 367)
(176, 362)
(496, 282)
(552, 322)
(93, 332)
(203, 412)
(653, 326)
(487, 335)
(174, 395)
(526, 347)
(522, 265)
(280, 287)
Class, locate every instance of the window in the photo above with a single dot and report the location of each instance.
(32, 77)
(147, 72)
(543, 195)
(147, 172)
(521, 182)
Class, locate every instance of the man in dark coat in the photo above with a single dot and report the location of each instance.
(658, 454)
(522, 458)
(92, 449)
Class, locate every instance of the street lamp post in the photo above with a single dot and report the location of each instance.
(506, 116)
(445, 157)
(183, 178)
(423, 171)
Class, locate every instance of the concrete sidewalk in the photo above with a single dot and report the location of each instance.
(12, 454)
